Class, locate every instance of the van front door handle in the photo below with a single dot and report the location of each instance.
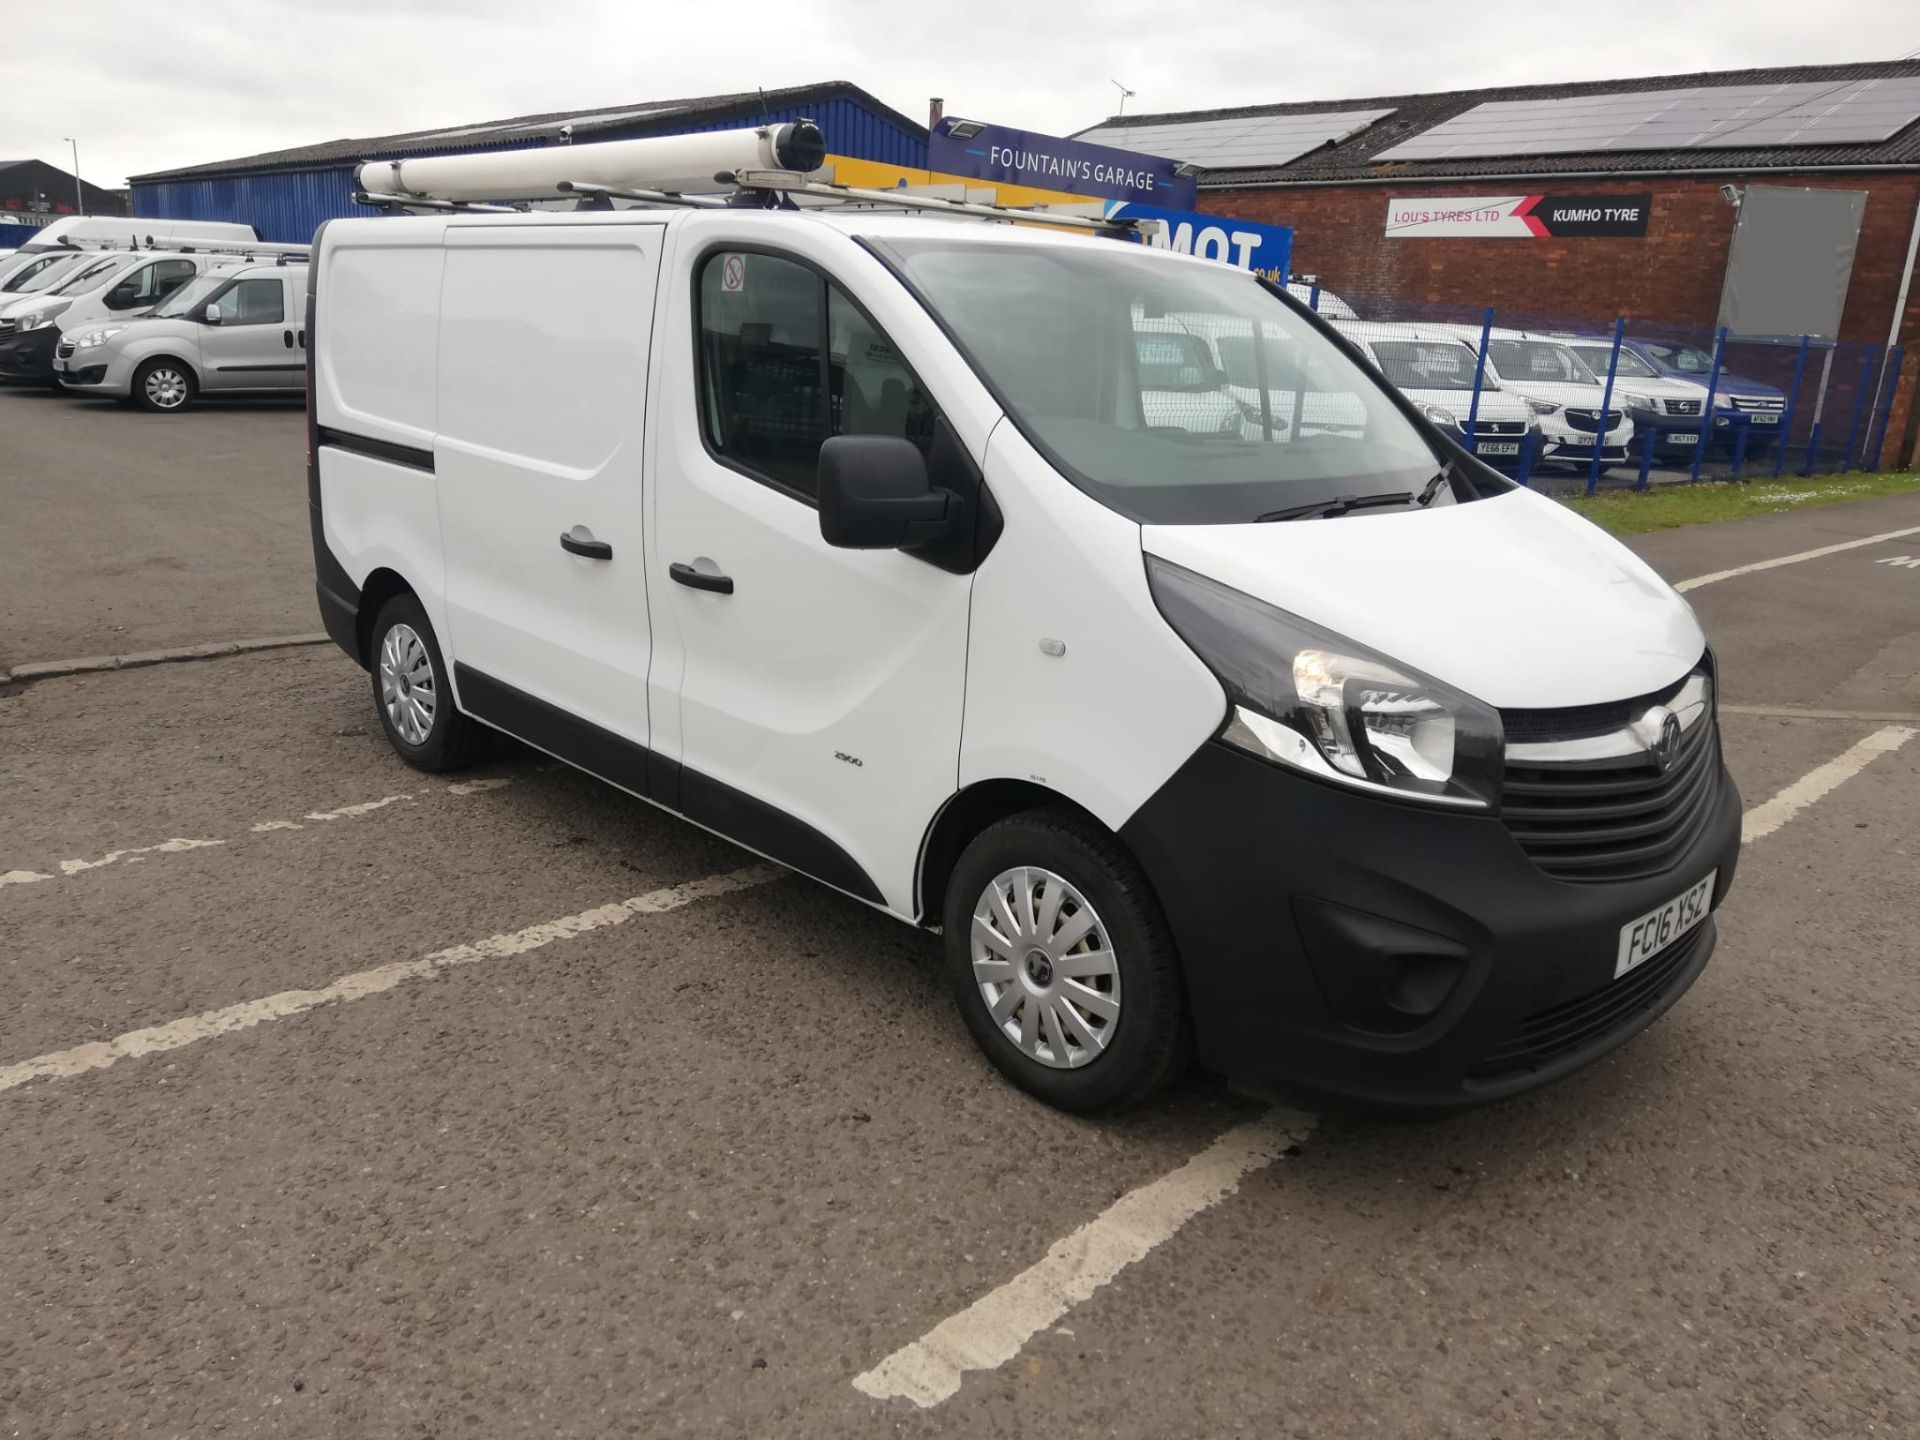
(287, 336)
(700, 579)
(591, 549)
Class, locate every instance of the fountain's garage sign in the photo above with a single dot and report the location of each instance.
(1024, 157)
(1517, 217)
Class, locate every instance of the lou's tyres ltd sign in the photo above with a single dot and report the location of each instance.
(1517, 217)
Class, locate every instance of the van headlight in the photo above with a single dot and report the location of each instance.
(96, 337)
(1543, 407)
(1441, 416)
(1314, 701)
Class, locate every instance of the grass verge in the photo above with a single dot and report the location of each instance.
(1635, 512)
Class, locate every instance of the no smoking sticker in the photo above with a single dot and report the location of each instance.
(733, 273)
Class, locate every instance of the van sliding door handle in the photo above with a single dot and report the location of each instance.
(700, 579)
(591, 549)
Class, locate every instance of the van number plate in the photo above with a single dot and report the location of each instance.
(1642, 939)
(1497, 447)
(1683, 437)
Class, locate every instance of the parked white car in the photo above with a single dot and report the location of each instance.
(1323, 302)
(235, 329)
(1564, 395)
(1181, 384)
(1437, 371)
(1665, 404)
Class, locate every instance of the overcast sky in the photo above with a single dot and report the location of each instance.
(147, 87)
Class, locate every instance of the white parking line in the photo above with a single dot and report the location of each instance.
(262, 827)
(993, 1329)
(365, 807)
(175, 1034)
(1717, 576)
(1762, 820)
(997, 1326)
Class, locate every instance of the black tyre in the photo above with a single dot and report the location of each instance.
(1069, 982)
(164, 385)
(411, 693)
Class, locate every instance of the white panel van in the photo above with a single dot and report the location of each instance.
(1325, 753)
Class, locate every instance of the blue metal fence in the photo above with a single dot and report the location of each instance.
(1767, 405)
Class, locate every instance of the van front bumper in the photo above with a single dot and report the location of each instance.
(1338, 946)
(29, 355)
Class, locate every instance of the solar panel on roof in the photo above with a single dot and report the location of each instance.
(1697, 118)
(1243, 141)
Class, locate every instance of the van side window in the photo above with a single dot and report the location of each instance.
(786, 360)
(252, 302)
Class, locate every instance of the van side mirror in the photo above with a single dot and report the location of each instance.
(211, 314)
(123, 296)
(874, 495)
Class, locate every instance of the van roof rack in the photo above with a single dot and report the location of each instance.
(770, 166)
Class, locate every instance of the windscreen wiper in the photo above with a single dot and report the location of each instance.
(1425, 497)
(1339, 505)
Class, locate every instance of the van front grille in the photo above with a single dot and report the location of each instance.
(1620, 818)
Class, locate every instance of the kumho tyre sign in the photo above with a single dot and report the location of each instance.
(1517, 217)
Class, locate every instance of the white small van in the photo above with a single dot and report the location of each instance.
(102, 284)
(241, 329)
(1335, 758)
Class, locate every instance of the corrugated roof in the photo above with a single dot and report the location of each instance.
(635, 117)
(1353, 158)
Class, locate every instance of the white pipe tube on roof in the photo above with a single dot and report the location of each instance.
(674, 163)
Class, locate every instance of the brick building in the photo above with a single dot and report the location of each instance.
(1336, 196)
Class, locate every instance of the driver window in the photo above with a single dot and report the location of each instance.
(786, 360)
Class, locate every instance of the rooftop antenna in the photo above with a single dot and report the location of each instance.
(1125, 95)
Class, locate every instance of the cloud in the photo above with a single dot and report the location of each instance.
(283, 73)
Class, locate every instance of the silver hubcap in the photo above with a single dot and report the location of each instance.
(1045, 967)
(406, 684)
(166, 388)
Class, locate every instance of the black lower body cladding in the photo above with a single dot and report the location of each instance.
(29, 356)
(1345, 947)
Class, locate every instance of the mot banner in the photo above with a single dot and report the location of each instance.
(1517, 217)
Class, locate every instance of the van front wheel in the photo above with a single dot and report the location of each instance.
(411, 694)
(163, 386)
(1063, 965)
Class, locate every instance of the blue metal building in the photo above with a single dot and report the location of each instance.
(285, 194)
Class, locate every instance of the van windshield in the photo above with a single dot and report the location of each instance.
(191, 296)
(1173, 392)
(1427, 364)
(1597, 357)
(1539, 361)
(48, 276)
(90, 275)
(1683, 359)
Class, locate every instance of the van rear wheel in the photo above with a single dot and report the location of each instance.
(163, 386)
(1062, 963)
(411, 693)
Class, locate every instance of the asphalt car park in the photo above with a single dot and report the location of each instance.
(339, 1099)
